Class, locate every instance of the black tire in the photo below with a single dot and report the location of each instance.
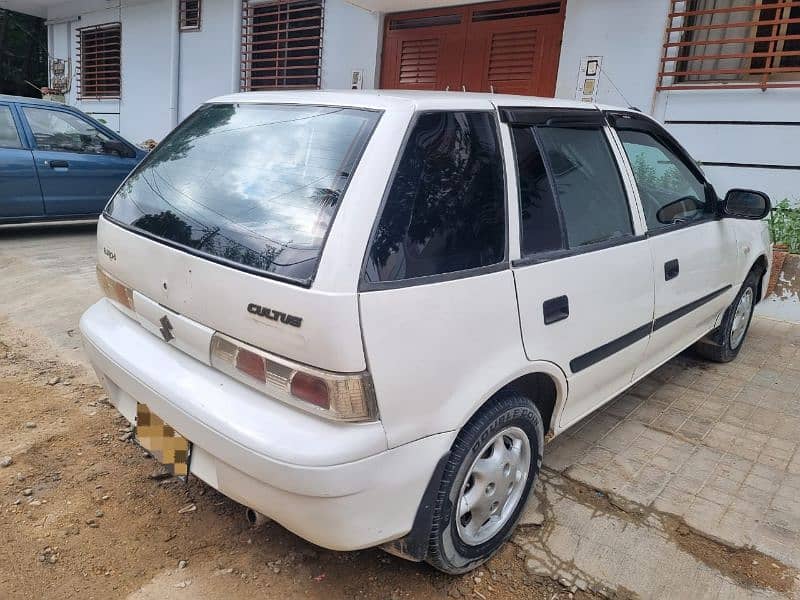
(718, 346)
(447, 551)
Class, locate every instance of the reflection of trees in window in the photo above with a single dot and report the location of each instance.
(166, 225)
(445, 211)
(254, 184)
(646, 176)
(207, 120)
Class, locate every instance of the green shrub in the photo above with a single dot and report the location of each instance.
(784, 225)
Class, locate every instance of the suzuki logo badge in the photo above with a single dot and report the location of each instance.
(166, 329)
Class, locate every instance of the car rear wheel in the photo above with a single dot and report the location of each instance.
(724, 344)
(486, 482)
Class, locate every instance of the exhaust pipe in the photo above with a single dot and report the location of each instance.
(255, 518)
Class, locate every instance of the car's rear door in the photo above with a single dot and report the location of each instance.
(694, 252)
(584, 277)
(80, 166)
(438, 309)
(20, 195)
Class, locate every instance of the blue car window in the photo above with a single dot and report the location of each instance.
(65, 132)
(9, 136)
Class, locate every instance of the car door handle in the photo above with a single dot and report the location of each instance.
(555, 309)
(57, 164)
(671, 269)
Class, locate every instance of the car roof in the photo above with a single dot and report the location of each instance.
(27, 100)
(400, 99)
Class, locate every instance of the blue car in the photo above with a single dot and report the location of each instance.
(56, 163)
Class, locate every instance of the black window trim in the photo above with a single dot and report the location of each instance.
(638, 122)
(503, 264)
(535, 118)
(15, 121)
(233, 264)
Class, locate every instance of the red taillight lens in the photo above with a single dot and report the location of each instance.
(251, 363)
(311, 389)
(339, 396)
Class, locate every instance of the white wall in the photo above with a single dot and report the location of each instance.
(628, 35)
(350, 42)
(207, 56)
(143, 110)
(730, 126)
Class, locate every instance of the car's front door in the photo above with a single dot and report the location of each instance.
(585, 276)
(20, 195)
(79, 165)
(694, 252)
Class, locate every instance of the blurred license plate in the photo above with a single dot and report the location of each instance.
(166, 445)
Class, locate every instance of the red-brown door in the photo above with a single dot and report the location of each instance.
(424, 53)
(507, 47)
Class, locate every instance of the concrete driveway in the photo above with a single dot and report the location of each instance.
(686, 486)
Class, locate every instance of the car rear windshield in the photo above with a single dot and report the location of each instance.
(253, 185)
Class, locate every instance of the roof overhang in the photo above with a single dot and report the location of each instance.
(37, 8)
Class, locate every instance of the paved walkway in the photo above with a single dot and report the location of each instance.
(714, 444)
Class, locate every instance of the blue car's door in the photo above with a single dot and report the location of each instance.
(20, 195)
(80, 164)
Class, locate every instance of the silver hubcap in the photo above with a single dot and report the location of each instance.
(741, 317)
(493, 486)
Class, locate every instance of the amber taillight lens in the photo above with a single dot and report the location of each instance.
(115, 289)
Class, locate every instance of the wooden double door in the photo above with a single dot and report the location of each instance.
(509, 47)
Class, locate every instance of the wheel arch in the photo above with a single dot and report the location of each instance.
(760, 265)
(544, 383)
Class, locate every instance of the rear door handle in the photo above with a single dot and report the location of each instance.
(671, 269)
(555, 309)
(57, 164)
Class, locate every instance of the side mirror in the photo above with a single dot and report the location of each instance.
(746, 204)
(682, 209)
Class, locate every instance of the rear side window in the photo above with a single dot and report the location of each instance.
(588, 185)
(571, 191)
(252, 185)
(445, 209)
(9, 138)
(539, 215)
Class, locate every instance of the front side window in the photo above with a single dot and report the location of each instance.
(445, 209)
(9, 137)
(65, 132)
(669, 191)
(252, 185)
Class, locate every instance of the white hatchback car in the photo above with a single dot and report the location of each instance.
(362, 314)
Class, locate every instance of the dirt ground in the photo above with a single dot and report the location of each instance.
(81, 515)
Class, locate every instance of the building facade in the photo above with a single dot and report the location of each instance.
(723, 75)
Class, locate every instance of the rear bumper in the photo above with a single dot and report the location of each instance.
(334, 484)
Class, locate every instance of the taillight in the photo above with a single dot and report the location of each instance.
(311, 389)
(252, 364)
(115, 289)
(343, 397)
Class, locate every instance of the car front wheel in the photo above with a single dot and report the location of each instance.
(493, 464)
(724, 344)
